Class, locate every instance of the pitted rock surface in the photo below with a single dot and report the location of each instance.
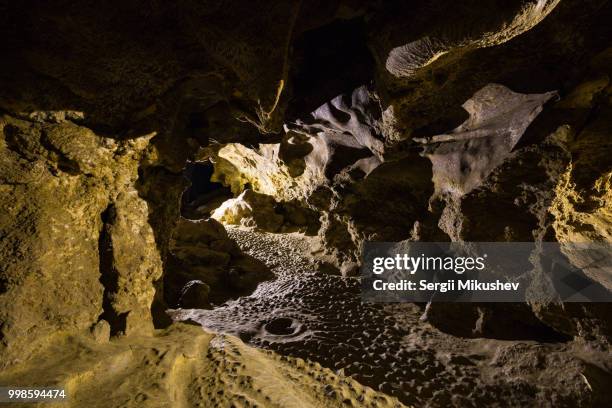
(321, 318)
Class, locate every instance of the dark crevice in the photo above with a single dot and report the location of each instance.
(330, 60)
(203, 195)
(197, 127)
(109, 278)
(159, 306)
(453, 117)
(342, 157)
(3, 285)
(502, 321)
(11, 138)
(159, 186)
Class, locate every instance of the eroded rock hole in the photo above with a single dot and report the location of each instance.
(3, 285)
(203, 196)
(343, 157)
(282, 326)
(196, 125)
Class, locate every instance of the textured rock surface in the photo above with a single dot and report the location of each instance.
(340, 136)
(202, 251)
(75, 237)
(462, 159)
(321, 318)
(134, 52)
(106, 105)
(261, 211)
(250, 209)
(186, 367)
(486, 30)
(540, 205)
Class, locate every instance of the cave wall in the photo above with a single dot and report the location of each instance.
(76, 239)
(104, 102)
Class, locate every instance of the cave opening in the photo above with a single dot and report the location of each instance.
(203, 195)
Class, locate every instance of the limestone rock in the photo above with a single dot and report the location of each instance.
(127, 58)
(353, 115)
(194, 295)
(57, 180)
(560, 197)
(134, 266)
(103, 104)
(101, 331)
(250, 209)
(582, 206)
(200, 250)
(406, 60)
(338, 137)
(263, 170)
(498, 118)
(338, 143)
(182, 359)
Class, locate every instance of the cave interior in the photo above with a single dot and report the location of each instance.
(186, 189)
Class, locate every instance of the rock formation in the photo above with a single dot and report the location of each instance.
(317, 125)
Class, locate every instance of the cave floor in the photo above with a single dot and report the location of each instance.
(183, 367)
(320, 317)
